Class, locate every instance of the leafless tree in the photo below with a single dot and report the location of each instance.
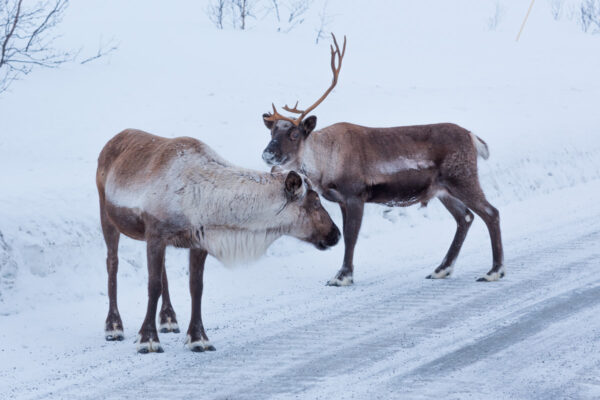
(276, 9)
(294, 12)
(495, 19)
(590, 15)
(324, 20)
(216, 12)
(243, 10)
(26, 38)
(297, 10)
(288, 13)
(556, 8)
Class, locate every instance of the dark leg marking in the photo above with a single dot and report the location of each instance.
(196, 336)
(148, 336)
(464, 219)
(168, 319)
(472, 196)
(113, 327)
(352, 214)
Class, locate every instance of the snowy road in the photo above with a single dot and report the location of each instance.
(279, 331)
(394, 334)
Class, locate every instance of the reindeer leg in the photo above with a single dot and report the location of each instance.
(168, 319)
(474, 199)
(464, 219)
(148, 336)
(352, 213)
(196, 336)
(113, 327)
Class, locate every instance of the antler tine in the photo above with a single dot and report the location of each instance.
(293, 110)
(335, 70)
(340, 55)
(276, 116)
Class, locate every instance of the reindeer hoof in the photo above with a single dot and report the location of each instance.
(145, 350)
(169, 326)
(341, 281)
(444, 273)
(199, 346)
(493, 276)
(151, 346)
(114, 335)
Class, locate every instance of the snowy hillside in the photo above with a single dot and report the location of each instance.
(278, 330)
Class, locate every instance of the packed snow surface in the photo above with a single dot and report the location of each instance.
(279, 331)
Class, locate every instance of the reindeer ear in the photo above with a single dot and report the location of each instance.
(293, 182)
(268, 124)
(309, 124)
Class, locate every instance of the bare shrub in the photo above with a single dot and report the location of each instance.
(495, 19)
(590, 15)
(556, 8)
(27, 36)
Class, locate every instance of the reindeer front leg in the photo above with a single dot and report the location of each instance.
(168, 319)
(196, 336)
(352, 214)
(148, 336)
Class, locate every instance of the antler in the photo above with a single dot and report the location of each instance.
(336, 72)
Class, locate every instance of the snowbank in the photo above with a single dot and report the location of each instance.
(534, 102)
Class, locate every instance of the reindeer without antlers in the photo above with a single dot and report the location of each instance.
(179, 192)
(352, 165)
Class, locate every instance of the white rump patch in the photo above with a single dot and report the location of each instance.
(482, 149)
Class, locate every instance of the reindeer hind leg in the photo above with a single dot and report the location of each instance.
(464, 219)
(113, 327)
(474, 198)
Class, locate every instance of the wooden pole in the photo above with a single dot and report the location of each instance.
(525, 20)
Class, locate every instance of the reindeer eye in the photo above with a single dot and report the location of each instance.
(294, 135)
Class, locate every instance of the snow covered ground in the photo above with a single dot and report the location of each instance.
(278, 330)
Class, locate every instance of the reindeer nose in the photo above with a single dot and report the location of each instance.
(268, 156)
(333, 236)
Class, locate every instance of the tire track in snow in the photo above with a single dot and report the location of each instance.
(371, 329)
(535, 319)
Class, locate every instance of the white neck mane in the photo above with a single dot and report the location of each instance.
(236, 213)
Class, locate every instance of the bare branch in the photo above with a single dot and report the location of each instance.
(103, 50)
(15, 21)
(216, 12)
(325, 20)
(58, 7)
(26, 38)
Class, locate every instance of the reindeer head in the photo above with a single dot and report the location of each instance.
(288, 134)
(311, 223)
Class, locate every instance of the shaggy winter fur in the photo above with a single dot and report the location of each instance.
(235, 214)
(178, 192)
(397, 166)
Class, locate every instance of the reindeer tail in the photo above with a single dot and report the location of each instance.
(480, 146)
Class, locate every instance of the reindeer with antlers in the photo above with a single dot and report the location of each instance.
(352, 165)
